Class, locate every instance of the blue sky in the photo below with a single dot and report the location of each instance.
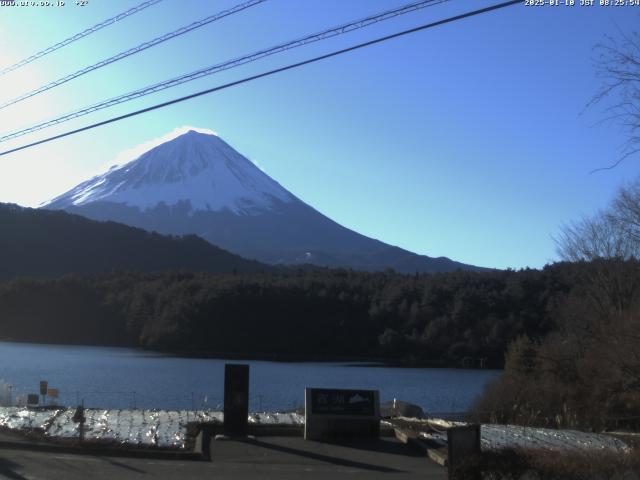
(469, 140)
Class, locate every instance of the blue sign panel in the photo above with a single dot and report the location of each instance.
(326, 401)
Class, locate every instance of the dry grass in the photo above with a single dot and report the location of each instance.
(529, 464)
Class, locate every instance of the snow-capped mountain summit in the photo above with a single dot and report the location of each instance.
(198, 168)
(195, 183)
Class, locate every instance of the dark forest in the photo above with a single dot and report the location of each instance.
(445, 319)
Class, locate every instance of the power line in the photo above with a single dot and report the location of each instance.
(80, 35)
(133, 51)
(331, 32)
(269, 73)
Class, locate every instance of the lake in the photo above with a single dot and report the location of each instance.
(128, 378)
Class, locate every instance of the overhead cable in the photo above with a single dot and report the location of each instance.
(267, 74)
(332, 32)
(78, 36)
(133, 51)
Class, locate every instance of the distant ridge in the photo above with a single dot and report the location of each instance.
(197, 184)
(43, 243)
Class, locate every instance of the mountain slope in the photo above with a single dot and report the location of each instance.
(197, 184)
(49, 243)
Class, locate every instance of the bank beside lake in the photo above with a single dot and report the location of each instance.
(109, 377)
(455, 319)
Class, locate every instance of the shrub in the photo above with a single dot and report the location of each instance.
(516, 464)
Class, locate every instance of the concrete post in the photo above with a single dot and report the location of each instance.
(236, 400)
(463, 443)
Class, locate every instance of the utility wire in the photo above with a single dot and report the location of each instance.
(133, 51)
(80, 35)
(269, 73)
(332, 32)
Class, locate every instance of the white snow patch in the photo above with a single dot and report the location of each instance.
(276, 418)
(132, 153)
(193, 167)
(19, 418)
(493, 437)
(496, 437)
(80, 196)
(146, 428)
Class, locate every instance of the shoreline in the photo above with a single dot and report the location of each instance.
(350, 361)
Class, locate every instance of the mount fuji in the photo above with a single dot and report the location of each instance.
(197, 184)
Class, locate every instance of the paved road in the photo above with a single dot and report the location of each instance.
(266, 458)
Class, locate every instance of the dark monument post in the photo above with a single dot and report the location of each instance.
(236, 400)
(463, 442)
(79, 418)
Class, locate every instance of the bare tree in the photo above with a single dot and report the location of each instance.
(600, 320)
(593, 238)
(617, 64)
(625, 211)
(610, 233)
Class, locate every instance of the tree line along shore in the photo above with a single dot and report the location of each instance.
(566, 334)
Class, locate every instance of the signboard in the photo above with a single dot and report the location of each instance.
(43, 387)
(236, 400)
(32, 399)
(336, 413)
(342, 402)
(52, 392)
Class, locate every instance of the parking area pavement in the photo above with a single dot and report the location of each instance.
(263, 458)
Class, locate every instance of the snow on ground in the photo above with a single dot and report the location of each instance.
(140, 428)
(19, 418)
(493, 437)
(276, 418)
(167, 428)
(496, 437)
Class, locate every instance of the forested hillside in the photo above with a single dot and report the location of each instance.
(461, 318)
(45, 243)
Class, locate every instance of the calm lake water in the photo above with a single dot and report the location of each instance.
(126, 378)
